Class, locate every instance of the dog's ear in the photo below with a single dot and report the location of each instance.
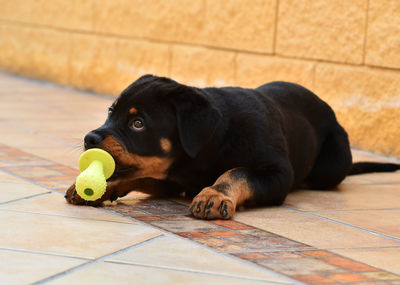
(197, 119)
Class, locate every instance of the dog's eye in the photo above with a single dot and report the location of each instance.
(137, 124)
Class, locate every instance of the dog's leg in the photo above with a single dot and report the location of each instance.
(242, 185)
(119, 188)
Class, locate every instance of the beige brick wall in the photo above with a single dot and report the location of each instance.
(348, 52)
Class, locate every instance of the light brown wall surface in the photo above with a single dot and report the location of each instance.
(347, 52)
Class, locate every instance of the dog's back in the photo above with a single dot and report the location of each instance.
(274, 120)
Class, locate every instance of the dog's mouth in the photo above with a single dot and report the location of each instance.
(122, 171)
(133, 165)
(123, 166)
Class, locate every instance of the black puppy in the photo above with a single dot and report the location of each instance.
(225, 146)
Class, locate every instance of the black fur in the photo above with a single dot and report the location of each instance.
(368, 167)
(279, 136)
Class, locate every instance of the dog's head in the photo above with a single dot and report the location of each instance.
(154, 122)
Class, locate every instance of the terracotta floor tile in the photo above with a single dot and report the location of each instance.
(232, 224)
(15, 191)
(17, 267)
(377, 282)
(300, 266)
(230, 248)
(12, 188)
(282, 254)
(212, 242)
(68, 236)
(223, 233)
(157, 207)
(185, 226)
(25, 139)
(139, 195)
(57, 185)
(55, 204)
(266, 242)
(348, 277)
(14, 151)
(193, 235)
(366, 156)
(374, 178)
(251, 256)
(149, 218)
(349, 264)
(34, 171)
(346, 197)
(382, 276)
(66, 170)
(385, 221)
(64, 154)
(174, 253)
(111, 273)
(220, 244)
(50, 122)
(311, 230)
(384, 258)
(313, 279)
(317, 253)
(7, 178)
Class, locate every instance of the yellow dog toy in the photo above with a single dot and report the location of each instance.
(96, 165)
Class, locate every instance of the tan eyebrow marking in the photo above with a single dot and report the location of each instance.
(115, 102)
(165, 145)
(133, 111)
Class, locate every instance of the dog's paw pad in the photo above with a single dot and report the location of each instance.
(212, 204)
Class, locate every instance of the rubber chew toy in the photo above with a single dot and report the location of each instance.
(96, 165)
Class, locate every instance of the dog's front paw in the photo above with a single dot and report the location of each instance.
(211, 204)
(73, 197)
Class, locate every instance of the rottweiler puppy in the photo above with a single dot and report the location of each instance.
(223, 146)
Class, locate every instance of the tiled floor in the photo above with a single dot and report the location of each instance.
(347, 236)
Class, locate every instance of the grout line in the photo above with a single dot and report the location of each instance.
(131, 37)
(201, 272)
(276, 22)
(24, 198)
(44, 253)
(18, 127)
(161, 41)
(231, 256)
(361, 248)
(68, 217)
(373, 183)
(342, 223)
(170, 59)
(51, 84)
(314, 76)
(97, 260)
(364, 152)
(291, 249)
(216, 251)
(31, 181)
(227, 255)
(365, 40)
(260, 229)
(235, 67)
(352, 210)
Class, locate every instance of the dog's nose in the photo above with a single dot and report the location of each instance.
(92, 140)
